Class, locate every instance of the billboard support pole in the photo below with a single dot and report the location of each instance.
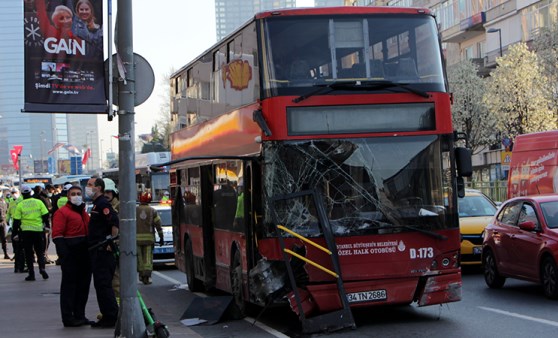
(130, 317)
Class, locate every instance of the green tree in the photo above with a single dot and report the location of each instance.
(470, 114)
(516, 93)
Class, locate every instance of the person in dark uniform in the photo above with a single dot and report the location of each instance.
(103, 222)
(69, 234)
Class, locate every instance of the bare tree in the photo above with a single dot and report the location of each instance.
(516, 94)
(545, 44)
(470, 114)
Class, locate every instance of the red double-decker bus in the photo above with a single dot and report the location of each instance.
(315, 163)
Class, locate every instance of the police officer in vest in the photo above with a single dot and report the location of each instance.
(69, 234)
(147, 221)
(31, 217)
(103, 222)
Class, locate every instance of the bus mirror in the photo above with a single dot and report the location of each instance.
(463, 161)
(460, 187)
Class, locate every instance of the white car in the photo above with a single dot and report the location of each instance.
(165, 253)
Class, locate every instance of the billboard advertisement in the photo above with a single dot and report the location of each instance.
(63, 44)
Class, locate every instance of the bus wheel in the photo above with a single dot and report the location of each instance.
(238, 307)
(194, 284)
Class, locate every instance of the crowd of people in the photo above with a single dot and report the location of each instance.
(59, 212)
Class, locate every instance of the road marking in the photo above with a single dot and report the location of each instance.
(266, 328)
(517, 315)
(165, 277)
(250, 320)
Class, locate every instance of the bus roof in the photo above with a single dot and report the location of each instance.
(536, 141)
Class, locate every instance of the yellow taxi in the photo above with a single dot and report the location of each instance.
(475, 212)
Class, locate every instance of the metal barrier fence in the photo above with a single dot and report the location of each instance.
(496, 190)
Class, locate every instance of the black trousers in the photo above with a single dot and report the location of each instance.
(103, 264)
(19, 254)
(76, 280)
(3, 238)
(34, 243)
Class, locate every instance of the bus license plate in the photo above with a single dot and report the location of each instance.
(162, 250)
(367, 296)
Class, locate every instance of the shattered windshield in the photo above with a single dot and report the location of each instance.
(369, 185)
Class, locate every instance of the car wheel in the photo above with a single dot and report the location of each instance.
(491, 275)
(194, 284)
(549, 278)
(238, 307)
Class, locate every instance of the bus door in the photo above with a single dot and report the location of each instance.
(253, 211)
(207, 190)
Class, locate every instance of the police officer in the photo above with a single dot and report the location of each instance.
(147, 221)
(103, 222)
(31, 216)
(69, 234)
(17, 241)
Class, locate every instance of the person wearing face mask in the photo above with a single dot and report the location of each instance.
(17, 240)
(103, 222)
(69, 234)
(30, 218)
(3, 223)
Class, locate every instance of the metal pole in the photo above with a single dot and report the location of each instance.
(130, 317)
(500, 37)
(20, 169)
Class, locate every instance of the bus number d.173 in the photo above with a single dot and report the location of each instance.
(421, 253)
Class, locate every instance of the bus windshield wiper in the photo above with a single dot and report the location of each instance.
(360, 85)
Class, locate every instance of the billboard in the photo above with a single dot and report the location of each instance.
(63, 44)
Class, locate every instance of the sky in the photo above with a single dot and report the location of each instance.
(168, 35)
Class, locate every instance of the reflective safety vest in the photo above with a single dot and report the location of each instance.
(30, 211)
(62, 201)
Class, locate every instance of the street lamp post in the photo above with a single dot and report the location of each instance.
(101, 153)
(494, 30)
(42, 151)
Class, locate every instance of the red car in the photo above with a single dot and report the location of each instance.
(521, 241)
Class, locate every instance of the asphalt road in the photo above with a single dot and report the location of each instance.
(518, 310)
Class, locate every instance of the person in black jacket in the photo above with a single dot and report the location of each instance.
(103, 222)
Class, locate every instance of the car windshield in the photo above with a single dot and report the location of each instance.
(550, 213)
(165, 215)
(475, 206)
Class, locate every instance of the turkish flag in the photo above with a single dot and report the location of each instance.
(86, 156)
(18, 149)
(13, 154)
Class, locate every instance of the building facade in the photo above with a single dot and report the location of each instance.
(230, 14)
(481, 31)
(37, 133)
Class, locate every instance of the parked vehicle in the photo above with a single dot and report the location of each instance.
(475, 211)
(165, 253)
(534, 164)
(521, 242)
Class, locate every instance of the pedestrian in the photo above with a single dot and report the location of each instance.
(17, 240)
(147, 221)
(31, 217)
(41, 194)
(111, 193)
(103, 222)
(69, 234)
(3, 224)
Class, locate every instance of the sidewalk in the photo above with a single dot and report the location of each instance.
(31, 309)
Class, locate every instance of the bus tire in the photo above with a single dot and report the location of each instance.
(194, 284)
(238, 305)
